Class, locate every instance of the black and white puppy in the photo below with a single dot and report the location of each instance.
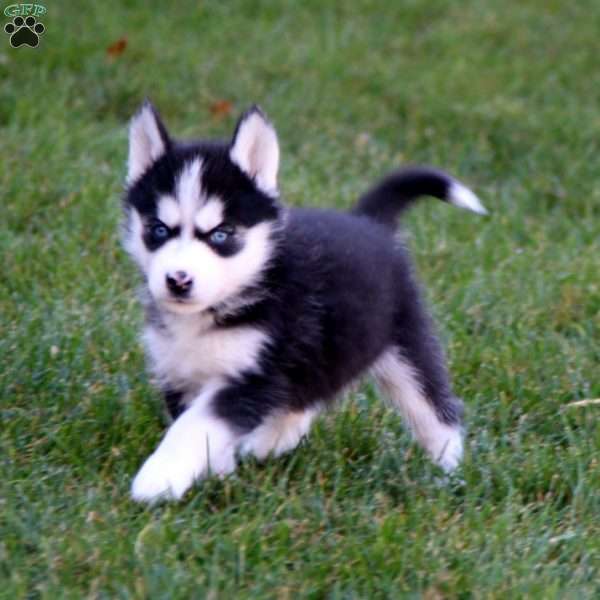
(259, 314)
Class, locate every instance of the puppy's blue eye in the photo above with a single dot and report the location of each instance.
(159, 232)
(219, 236)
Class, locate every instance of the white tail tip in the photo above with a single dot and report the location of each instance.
(459, 195)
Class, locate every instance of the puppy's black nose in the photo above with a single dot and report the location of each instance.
(179, 283)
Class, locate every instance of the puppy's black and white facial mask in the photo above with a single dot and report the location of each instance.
(201, 216)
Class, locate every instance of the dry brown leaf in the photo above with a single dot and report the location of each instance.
(221, 108)
(117, 48)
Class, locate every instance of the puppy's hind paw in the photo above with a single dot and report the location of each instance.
(450, 455)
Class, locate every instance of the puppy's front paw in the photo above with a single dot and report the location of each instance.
(162, 478)
(194, 446)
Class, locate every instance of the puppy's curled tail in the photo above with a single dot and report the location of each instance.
(398, 191)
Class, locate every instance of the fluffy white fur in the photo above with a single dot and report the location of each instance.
(256, 151)
(207, 216)
(189, 194)
(462, 196)
(133, 241)
(195, 445)
(175, 347)
(169, 211)
(145, 143)
(210, 215)
(397, 380)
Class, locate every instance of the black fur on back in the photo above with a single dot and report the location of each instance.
(340, 291)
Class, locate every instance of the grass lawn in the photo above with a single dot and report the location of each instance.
(503, 94)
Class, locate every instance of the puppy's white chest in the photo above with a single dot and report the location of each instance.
(189, 352)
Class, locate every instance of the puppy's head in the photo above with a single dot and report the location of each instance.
(201, 217)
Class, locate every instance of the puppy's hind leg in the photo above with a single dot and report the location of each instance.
(433, 414)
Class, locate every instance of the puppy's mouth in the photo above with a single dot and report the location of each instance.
(182, 306)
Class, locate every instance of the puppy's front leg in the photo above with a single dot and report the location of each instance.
(198, 442)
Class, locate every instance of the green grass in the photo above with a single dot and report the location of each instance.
(505, 95)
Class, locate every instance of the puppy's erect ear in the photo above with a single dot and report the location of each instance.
(255, 150)
(148, 141)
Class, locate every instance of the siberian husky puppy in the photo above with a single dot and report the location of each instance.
(258, 314)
